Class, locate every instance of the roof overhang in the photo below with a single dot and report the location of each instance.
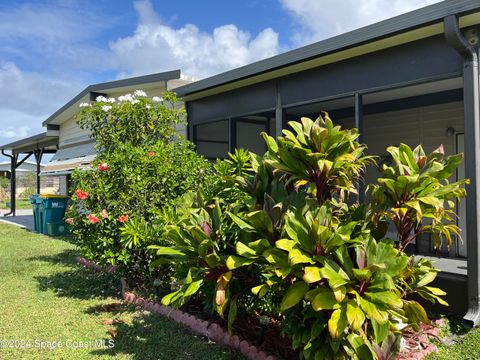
(412, 26)
(69, 158)
(147, 82)
(43, 141)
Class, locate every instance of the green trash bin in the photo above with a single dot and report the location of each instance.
(52, 210)
(57, 228)
(36, 201)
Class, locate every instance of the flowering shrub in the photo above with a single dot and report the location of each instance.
(143, 165)
(132, 118)
(287, 242)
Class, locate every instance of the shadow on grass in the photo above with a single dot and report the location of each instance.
(76, 281)
(66, 257)
(150, 336)
(140, 335)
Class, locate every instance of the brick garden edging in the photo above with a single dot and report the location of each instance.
(215, 332)
(92, 265)
(210, 330)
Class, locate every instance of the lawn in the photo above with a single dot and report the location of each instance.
(47, 300)
(466, 348)
(20, 204)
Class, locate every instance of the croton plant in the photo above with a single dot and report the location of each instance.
(296, 246)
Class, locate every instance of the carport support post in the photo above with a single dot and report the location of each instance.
(359, 126)
(38, 160)
(471, 99)
(13, 166)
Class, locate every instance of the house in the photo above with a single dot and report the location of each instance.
(72, 146)
(412, 78)
(75, 147)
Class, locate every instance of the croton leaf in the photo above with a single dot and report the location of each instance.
(338, 322)
(294, 295)
(323, 299)
(234, 262)
(355, 315)
(415, 312)
(312, 274)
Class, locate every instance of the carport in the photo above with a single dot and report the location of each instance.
(20, 151)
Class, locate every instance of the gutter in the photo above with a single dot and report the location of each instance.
(471, 103)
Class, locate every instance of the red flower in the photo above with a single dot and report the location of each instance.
(92, 218)
(151, 153)
(69, 221)
(81, 195)
(104, 214)
(122, 218)
(103, 166)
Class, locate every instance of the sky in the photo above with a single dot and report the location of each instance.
(51, 50)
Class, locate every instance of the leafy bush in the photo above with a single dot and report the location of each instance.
(29, 191)
(293, 237)
(142, 167)
(416, 188)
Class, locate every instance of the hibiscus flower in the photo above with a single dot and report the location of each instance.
(92, 218)
(122, 218)
(103, 166)
(104, 214)
(69, 221)
(81, 195)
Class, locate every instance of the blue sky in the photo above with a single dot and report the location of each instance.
(50, 50)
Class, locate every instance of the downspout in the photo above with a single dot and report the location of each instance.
(12, 183)
(471, 99)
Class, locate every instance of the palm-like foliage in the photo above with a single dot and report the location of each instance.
(321, 155)
(415, 194)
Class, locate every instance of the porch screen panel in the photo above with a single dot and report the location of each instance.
(212, 139)
(248, 136)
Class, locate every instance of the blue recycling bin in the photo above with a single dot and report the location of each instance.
(36, 202)
(52, 210)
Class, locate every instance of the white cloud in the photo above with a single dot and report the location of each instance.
(28, 98)
(158, 47)
(318, 20)
(54, 36)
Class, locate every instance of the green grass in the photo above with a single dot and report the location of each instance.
(45, 296)
(20, 204)
(466, 348)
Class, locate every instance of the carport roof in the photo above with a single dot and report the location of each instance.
(35, 142)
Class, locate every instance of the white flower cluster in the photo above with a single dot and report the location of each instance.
(131, 98)
(104, 99)
(139, 93)
(127, 97)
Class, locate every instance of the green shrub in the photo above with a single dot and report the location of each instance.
(29, 191)
(120, 204)
(294, 238)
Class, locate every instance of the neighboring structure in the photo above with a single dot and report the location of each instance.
(26, 167)
(72, 146)
(27, 179)
(75, 148)
(413, 79)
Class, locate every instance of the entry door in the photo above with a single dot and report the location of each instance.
(461, 221)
